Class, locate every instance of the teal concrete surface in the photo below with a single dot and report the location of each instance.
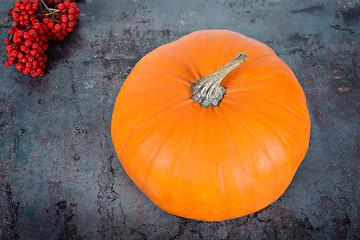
(61, 179)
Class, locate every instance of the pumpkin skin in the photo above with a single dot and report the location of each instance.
(212, 163)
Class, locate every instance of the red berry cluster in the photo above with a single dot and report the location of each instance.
(35, 23)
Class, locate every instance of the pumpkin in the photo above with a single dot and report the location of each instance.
(212, 126)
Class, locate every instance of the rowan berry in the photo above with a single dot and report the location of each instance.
(45, 46)
(9, 48)
(7, 41)
(46, 20)
(67, 4)
(26, 35)
(40, 31)
(31, 59)
(34, 7)
(57, 27)
(60, 6)
(28, 43)
(71, 17)
(64, 19)
(33, 33)
(17, 40)
(71, 11)
(20, 66)
(28, 64)
(37, 26)
(11, 31)
(50, 25)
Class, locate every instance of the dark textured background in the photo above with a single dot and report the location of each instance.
(60, 177)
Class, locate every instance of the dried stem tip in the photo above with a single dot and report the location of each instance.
(208, 91)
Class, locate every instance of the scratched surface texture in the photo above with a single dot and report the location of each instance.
(60, 177)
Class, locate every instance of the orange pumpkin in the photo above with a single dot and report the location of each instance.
(211, 146)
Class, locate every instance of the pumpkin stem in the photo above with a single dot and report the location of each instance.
(208, 91)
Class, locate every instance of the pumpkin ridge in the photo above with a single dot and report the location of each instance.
(189, 139)
(156, 115)
(268, 116)
(276, 103)
(222, 182)
(232, 72)
(250, 75)
(235, 71)
(261, 120)
(297, 99)
(196, 123)
(193, 65)
(175, 166)
(236, 150)
(176, 124)
(254, 87)
(234, 147)
(136, 95)
(183, 81)
(226, 132)
(251, 133)
(247, 46)
(146, 90)
(177, 64)
(142, 107)
(220, 59)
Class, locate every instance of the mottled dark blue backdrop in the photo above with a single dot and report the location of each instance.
(60, 177)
